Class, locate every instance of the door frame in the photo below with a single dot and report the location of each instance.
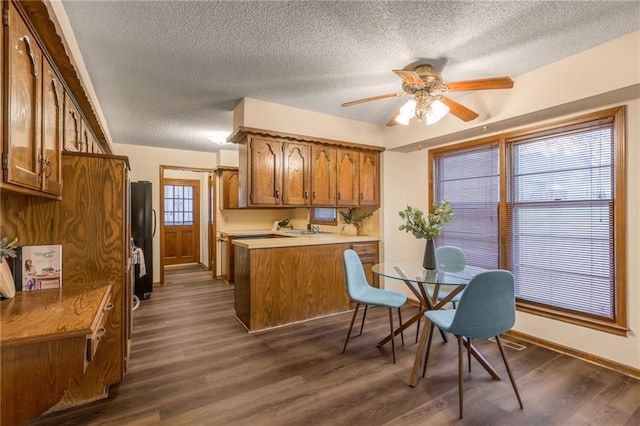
(196, 225)
(211, 214)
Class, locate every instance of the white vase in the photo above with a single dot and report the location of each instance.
(7, 285)
(349, 230)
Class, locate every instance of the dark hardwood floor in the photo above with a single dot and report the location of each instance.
(192, 363)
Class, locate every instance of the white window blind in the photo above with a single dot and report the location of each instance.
(470, 180)
(561, 219)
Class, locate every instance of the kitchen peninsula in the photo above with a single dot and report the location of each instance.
(295, 277)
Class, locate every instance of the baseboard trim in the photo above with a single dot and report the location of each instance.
(593, 359)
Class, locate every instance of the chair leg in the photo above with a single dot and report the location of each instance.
(444, 335)
(353, 318)
(469, 353)
(426, 357)
(460, 362)
(400, 321)
(506, 364)
(393, 344)
(363, 318)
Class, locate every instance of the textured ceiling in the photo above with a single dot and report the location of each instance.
(169, 73)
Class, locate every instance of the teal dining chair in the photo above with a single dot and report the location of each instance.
(362, 293)
(448, 259)
(486, 309)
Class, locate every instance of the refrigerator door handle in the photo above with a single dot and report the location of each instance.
(153, 234)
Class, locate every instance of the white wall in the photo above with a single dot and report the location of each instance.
(270, 116)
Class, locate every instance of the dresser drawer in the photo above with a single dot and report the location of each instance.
(98, 328)
(366, 249)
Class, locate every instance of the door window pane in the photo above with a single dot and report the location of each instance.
(178, 200)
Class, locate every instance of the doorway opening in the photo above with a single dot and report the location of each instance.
(186, 225)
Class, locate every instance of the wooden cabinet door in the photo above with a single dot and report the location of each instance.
(84, 138)
(265, 172)
(229, 193)
(323, 175)
(347, 177)
(369, 178)
(72, 123)
(23, 146)
(52, 130)
(295, 174)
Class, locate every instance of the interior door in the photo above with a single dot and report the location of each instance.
(181, 221)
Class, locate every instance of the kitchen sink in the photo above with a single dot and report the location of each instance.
(305, 232)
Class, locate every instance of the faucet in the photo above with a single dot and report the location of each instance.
(313, 228)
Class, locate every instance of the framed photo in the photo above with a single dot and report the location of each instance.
(38, 267)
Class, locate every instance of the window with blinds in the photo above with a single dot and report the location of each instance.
(553, 213)
(470, 180)
(561, 217)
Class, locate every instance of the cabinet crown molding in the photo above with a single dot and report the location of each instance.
(240, 136)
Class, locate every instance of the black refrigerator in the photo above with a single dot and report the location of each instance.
(143, 228)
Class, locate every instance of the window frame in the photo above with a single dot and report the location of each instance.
(618, 325)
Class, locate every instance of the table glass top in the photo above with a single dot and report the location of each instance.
(414, 271)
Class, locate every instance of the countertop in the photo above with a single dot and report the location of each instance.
(290, 240)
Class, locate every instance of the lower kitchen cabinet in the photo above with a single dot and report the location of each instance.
(283, 285)
(368, 252)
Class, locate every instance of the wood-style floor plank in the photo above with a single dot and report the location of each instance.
(192, 363)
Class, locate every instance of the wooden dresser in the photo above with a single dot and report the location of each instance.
(47, 339)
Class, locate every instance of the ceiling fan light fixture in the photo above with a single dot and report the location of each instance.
(429, 109)
(437, 110)
(407, 112)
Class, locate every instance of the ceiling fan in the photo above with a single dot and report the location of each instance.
(428, 102)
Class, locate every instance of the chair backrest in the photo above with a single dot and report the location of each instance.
(354, 274)
(450, 259)
(487, 307)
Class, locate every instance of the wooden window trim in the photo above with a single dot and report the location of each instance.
(618, 325)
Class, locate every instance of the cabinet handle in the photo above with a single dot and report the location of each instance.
(277, 194)
(306, 195)
(338, 196)
(314, 195)
(101, 332)
(109, 307)
(47, 168)
(361, 196)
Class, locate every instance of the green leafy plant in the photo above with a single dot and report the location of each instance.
(350, 216)
(7, 249)
(427, 226)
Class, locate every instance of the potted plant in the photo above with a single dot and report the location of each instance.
(7, 284)
(427, 226)
(353, 221)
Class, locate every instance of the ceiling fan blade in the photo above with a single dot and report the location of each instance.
(392, 121)
(481, 84)
(409, 77)
(459, 110)
(374, 98)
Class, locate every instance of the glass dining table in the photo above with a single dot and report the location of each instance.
(426, 285)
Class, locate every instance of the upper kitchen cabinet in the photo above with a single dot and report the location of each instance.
(285, 170)
(323, 175)
(72, 126)
(296, 173)
(45, 108)
(274, 172)
(369, 178)
(228, 178)
(33, 136)
(264, 172)
(347, 177)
